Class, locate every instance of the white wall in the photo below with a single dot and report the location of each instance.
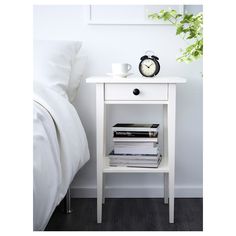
(105, 44)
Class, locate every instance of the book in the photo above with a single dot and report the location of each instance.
(137, 164)
(112, 155)
(135, 139)
(136, 144)
(135, 127)
(144, 134)
(117, 161)
(119, 149)
(134, 158)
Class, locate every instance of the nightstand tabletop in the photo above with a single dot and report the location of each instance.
(136, 79)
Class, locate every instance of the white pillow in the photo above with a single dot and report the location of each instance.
(54, 63)
(77, 73)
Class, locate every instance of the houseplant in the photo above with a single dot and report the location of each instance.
(189, 27)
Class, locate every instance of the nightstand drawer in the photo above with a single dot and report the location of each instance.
(136, 92)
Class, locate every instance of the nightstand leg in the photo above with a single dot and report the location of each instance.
(100, 120)
(171, 198)
(99, 198)
(166, 188)
(103, 189)
(165, 151)
(171, 148)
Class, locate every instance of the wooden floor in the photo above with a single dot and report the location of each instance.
(136, 214)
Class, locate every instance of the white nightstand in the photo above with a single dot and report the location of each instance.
(159, 90)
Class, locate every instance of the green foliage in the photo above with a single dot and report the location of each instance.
(190, 27)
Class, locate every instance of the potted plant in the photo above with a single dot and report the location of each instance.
(189, 27)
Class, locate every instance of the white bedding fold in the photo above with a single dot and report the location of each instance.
(60, 150)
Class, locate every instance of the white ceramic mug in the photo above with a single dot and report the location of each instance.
(120, 68)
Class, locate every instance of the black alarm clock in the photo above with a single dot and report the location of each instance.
(149, 65)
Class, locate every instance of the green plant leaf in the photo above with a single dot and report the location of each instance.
(179, 29)
(190, 27)
(178, 15)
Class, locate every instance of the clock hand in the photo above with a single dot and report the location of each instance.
(147, 66)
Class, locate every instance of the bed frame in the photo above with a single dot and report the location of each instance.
(68, 202)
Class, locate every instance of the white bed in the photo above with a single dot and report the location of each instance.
(59, 139)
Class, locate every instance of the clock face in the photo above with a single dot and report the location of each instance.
(148, 67)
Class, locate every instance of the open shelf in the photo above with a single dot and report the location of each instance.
(163, 168)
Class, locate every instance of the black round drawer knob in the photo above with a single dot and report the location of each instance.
(136, 92)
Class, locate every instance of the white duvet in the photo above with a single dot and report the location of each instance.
(60, 150)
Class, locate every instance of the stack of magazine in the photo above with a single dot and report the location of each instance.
(135, 145)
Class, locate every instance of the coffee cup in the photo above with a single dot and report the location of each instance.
(120, 68)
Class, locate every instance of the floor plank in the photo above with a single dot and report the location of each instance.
(129, 214)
